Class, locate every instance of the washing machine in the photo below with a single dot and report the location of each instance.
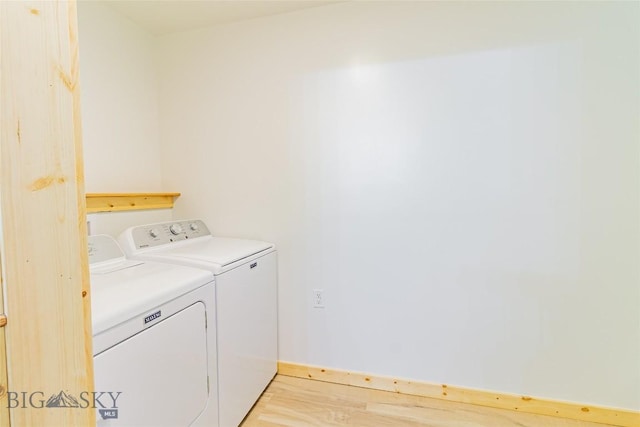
(246, 303)
(154, 341)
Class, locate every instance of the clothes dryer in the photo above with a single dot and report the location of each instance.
(153, 341)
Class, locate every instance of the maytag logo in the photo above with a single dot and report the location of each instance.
(152, 317)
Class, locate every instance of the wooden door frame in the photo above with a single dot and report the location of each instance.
(44, 245)
(4, 407)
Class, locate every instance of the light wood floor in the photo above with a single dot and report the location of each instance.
(297, 402)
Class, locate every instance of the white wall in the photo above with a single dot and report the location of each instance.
(118, 78)
(462, 179)
(114, 223)
(119, 103)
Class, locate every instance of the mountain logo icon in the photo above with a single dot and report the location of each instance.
(62, 400)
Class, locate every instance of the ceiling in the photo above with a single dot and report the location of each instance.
(168, 16)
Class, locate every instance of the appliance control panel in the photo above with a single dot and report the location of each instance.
(148, 236)
(103, 248)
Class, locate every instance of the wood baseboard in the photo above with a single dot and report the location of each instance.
(576, 411)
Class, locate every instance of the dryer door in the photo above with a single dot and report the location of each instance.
(160, 373)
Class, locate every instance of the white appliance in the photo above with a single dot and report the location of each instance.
(246, 303)
(154, 341)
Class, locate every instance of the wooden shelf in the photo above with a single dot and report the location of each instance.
(112, 202)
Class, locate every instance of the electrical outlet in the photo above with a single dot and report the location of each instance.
(318, 298)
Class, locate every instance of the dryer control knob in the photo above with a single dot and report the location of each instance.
(175, 228)
(193, 226)
(154, 232)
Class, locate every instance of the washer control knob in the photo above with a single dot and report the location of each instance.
(193, 226)
(154, 232)
(175, 229)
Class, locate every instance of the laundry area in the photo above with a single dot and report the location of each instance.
(309, 213)
(184, 312)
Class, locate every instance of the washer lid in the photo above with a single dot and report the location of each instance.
(214, 253)
(123, 293)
